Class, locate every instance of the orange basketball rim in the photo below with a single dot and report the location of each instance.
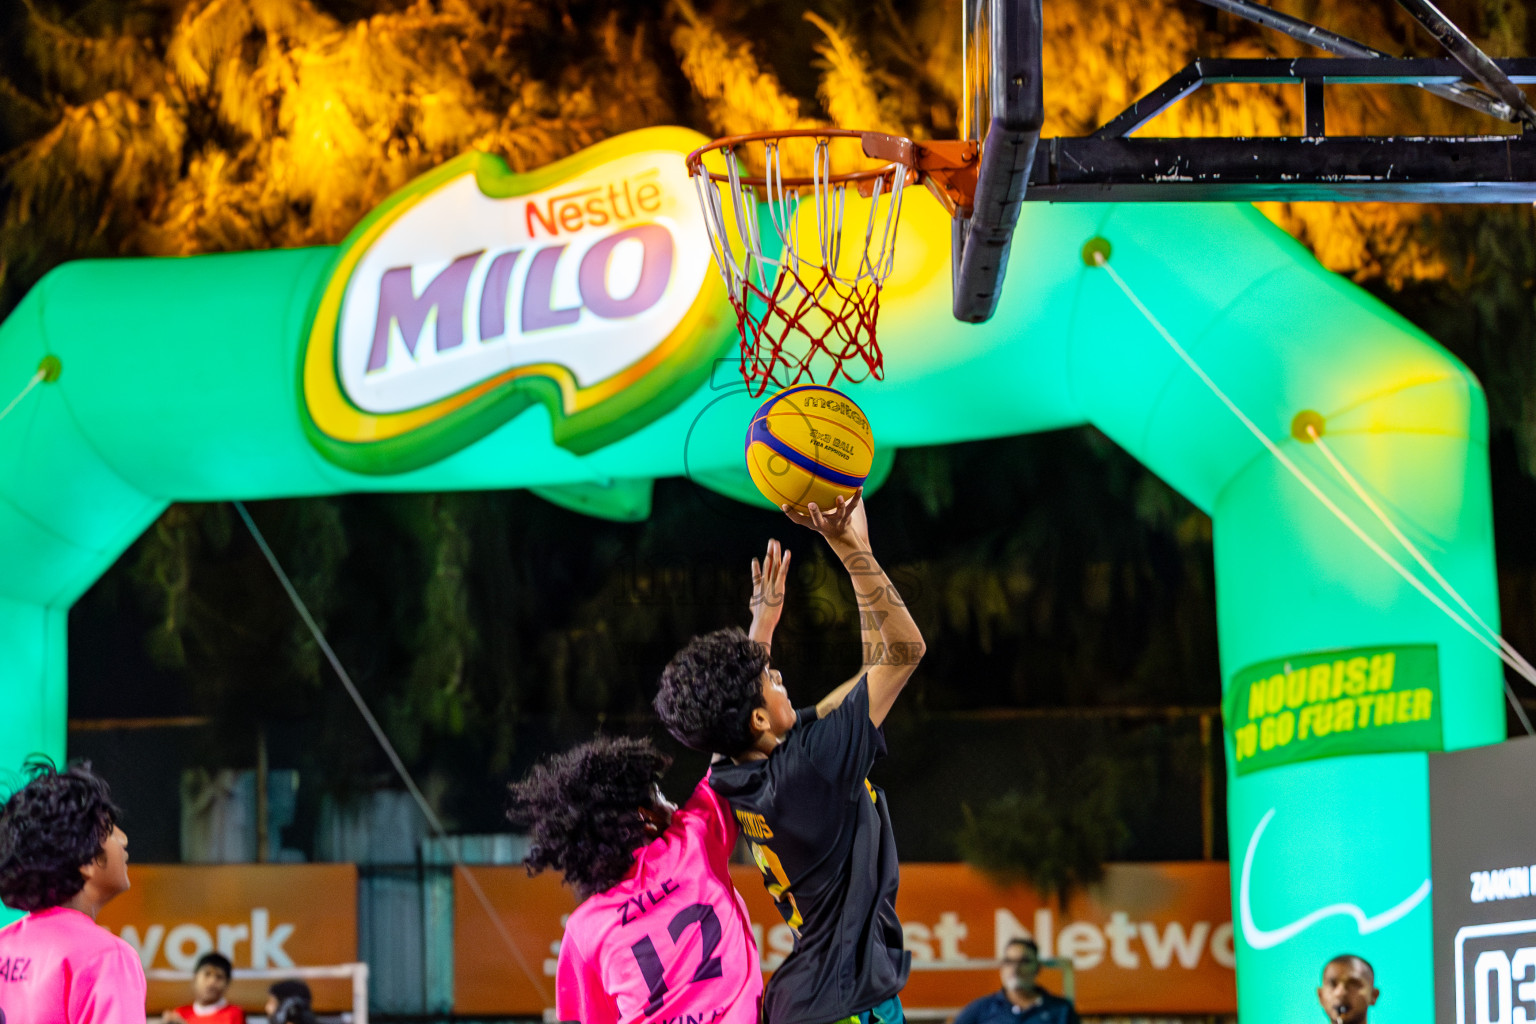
(807, 295)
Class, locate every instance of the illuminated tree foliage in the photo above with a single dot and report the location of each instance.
(164, 126)
(144, 127)
(1058, 832)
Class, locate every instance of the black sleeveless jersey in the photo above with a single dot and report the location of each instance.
(821, 834)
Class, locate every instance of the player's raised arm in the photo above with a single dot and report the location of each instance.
(768, 578)
(892, 643)
(767, 605)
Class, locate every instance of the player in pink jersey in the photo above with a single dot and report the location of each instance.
(662, 936)
(63, 858)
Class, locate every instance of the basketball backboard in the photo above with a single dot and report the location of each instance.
(1002, 111)
(993, 168)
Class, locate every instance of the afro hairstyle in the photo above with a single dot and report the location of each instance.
(710, 689)
(582, 810)
(52, 826)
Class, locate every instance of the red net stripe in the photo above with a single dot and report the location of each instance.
(805, 323)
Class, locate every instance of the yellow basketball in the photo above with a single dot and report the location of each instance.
(809, 443)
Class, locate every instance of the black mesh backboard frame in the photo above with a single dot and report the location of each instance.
(1003, 111)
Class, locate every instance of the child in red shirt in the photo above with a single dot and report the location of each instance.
(209, 983)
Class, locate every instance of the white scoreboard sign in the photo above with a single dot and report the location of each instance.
(1484, 855)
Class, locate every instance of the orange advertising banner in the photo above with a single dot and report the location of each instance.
(1150, 939)
(261, 916)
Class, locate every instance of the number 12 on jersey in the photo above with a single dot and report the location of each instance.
(649, 961)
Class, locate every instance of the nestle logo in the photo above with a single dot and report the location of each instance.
(595, 207)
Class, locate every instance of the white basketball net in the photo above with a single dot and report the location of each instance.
(801, 295)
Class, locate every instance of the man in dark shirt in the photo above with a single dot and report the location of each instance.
(798, 783)
(1022, 1000)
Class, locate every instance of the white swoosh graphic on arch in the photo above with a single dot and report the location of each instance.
(1264, 938)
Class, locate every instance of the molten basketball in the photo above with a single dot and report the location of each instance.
(809, 443)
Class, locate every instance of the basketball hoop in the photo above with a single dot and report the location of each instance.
(807, 297)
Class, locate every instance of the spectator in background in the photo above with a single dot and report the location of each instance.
(63, 858)
(289, 1002)
(1022, 1000)
(1349, 989)
(210, 981)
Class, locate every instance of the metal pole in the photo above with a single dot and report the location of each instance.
(1305, 31)
(263, 803)
(360, 993)
(1207, 793)
(1470, 57)
(1343, 46)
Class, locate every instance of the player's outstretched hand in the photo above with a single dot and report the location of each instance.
(843, 525)
(768, 577)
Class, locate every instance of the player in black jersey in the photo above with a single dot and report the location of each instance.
(798, 782)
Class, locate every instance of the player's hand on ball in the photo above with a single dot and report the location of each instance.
(768, 577)
(842, 526)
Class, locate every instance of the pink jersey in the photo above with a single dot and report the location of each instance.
(671, 943)
(58, 966)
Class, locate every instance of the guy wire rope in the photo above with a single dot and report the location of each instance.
(1519, 664)
(388, 747)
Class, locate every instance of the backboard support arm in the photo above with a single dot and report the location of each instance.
(1484, 68)
(1110, 166)
(1343, 46)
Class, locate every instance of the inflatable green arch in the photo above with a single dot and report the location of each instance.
(409, 359)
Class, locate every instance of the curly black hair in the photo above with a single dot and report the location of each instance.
(710, 689)
(50, 828)
(582, 810)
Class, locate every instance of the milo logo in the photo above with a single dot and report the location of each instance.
(474, 292)
(486, 284)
